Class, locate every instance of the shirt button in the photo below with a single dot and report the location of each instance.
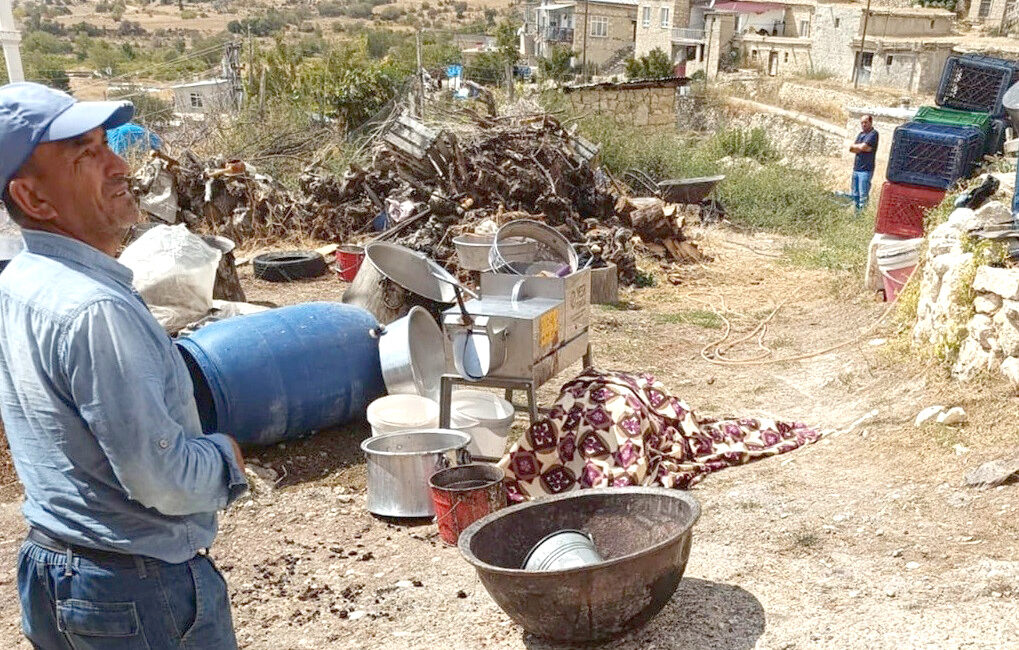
(163, 444)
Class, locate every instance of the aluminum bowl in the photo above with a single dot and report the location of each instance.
(643, 533)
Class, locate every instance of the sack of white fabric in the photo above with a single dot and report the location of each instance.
(174, 271)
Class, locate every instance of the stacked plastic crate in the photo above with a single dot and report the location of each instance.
(929, 154)
(942, 144)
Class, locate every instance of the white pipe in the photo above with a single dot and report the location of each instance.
(10, 38)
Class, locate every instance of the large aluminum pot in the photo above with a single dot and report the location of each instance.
(394, 278)
(400, 464)
(412, 353)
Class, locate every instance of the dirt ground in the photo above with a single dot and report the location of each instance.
(867, 539)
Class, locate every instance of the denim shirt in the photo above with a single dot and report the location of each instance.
(99, 412)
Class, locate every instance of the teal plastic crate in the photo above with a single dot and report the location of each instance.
(953, 117)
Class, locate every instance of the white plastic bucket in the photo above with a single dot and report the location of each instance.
(896, 262)
(395, 413)
(486, 417)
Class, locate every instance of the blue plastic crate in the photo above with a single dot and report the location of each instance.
(995, 137)
(934, 155)
(976, 83)
(1015, 195)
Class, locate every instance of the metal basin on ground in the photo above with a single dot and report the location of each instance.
(644, 534)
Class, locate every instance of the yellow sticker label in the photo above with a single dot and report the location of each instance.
(548, 328)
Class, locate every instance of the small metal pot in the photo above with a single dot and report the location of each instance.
(412, 354)
(563, 549)
(400, 464)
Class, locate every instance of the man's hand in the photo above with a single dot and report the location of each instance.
(237, 453)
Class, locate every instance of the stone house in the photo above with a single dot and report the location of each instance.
(774, 36)
(1000, 16)
(605, 28)
(905, 47)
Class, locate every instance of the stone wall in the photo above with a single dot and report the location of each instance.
(964, 300)
(792, 138)
(641, 106)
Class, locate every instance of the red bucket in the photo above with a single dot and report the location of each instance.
(348, 261)
(464, 494)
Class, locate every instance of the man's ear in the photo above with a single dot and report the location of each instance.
(34, 205)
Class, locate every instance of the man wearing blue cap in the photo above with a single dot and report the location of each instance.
(121, 487)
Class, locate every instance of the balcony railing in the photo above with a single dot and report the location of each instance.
(687, 34)
(559, 34)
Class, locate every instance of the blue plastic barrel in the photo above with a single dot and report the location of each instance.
(284, 373)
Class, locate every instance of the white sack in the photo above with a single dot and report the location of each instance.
(174, 271)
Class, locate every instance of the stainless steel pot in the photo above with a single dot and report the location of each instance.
(400, 464)
(412, 353)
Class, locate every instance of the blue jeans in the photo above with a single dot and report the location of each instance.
(122, 604)
(861, 188)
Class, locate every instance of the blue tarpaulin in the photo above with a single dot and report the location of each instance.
(132, 136)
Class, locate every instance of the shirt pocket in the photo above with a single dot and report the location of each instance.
(95, 626)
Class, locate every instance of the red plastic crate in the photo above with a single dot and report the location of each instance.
(902, 208)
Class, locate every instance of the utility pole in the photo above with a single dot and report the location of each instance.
(859, 56)
(583, 59)
(10, 38)
(421, 79)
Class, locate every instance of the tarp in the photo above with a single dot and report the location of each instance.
(132, 136)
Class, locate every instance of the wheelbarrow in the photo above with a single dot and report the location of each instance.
(673, 190)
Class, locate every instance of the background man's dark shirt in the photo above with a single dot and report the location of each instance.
(865, 161)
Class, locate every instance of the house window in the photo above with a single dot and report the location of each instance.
(646, 17)
(837, 21)
(867, 60)
(786, 59)
(196, 100)
(932, 24)
(691, 52)
(753, 55)
(888, 60)
(804, 28)
(599, 26)
(985, 8)
(665, 17)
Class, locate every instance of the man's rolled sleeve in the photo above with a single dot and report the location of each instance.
(236, 482)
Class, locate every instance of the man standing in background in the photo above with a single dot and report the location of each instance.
(865, 149)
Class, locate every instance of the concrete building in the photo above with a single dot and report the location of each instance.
(204, 97)
(608, 26)
(999, 16)
(904, 48)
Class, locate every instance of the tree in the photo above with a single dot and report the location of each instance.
(656, 64)
(557, 65)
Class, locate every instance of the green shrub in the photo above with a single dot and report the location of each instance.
(745, 143)
(656, 64)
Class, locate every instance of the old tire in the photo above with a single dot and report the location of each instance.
(287, 266)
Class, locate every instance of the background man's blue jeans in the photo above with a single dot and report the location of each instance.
(861, 188)
(134, 603)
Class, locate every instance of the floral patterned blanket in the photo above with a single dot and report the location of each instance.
(616, 429)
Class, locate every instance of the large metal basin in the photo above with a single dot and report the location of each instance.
(644, 534)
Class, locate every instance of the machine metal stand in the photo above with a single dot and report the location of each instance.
(510, 385)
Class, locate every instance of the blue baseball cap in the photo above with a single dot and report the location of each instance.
(31, 114)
